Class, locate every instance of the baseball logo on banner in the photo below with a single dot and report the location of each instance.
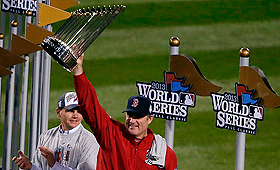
(238, 112)
(170, 99)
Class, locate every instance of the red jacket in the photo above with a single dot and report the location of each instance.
(118, 149)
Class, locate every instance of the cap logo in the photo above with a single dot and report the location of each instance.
(71, 96)
(135, 103)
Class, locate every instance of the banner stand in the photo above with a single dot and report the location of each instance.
(240, 136)
(174, 43)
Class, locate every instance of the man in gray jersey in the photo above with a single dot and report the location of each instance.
(67, 146)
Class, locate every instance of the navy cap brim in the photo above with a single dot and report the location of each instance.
(133, 111)
(72, 106)
(128, 110)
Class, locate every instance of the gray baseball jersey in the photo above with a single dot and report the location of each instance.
(77, 150)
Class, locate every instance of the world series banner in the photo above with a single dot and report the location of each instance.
(170, 99)
(238, 112)
(19, 6)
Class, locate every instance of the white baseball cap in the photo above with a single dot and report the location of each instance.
(68, 101)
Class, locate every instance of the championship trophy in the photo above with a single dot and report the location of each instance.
(78, 32)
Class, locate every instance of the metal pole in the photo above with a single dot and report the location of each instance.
(3, 23)
(24, 92)
(35, 103)
(10, 88)
(2, 40)
(240, 136)
(34, 96)
(45, 92)
(15, 142)
(2, 33)
(174, 43)
(1, 45)
(45, 74)
(40, 90)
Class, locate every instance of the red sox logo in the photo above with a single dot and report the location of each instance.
(135, 103)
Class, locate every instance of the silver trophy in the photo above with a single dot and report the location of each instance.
(78, 32)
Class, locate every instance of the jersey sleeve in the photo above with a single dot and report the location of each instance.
(93, 113)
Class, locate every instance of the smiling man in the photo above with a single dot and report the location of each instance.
(129, 146)
(138, 116)
(67, 146)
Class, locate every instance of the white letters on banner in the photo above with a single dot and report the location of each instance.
(19, 6)
(170, 99)
(237, 112)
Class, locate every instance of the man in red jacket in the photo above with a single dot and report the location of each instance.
(129, 146)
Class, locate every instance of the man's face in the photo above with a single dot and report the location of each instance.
(137, 126)
(69, 118)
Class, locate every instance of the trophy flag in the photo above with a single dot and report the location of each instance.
(49, 14)
(9, 58)
(64, 4)
(22, 46)
(4, 71)
(36, 34)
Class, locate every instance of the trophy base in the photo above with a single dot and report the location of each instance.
(60, 53)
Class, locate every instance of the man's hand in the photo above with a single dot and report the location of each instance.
(23, 162)
(48, 154)
(79, 68)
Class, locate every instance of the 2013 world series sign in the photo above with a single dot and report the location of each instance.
(19, 6)
(170, 99)
(238, 112)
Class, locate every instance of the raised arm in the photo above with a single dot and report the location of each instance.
(79, 69)
(89, 106)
